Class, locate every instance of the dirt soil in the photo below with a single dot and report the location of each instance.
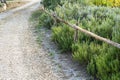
(12, 5)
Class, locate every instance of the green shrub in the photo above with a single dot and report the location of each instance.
(50, 4)
(63, 36)
(116, 30)
(45, 20)
(81, 52)
(85, 51)
(105, 66)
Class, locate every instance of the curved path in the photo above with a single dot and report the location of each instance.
(20, 58)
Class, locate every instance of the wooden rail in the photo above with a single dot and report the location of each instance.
(115, 44)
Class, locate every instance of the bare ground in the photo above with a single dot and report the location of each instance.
(20, 57)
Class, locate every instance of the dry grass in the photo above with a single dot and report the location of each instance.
(12, 5)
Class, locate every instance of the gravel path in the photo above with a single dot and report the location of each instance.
(20, 58)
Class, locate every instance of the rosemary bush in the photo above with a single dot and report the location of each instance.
(45, 20)
(50, 4)
(63, 36)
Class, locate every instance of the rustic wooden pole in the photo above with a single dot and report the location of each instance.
(76, 34)
(84, 31)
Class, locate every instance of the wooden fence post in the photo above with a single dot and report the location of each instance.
(76, 34)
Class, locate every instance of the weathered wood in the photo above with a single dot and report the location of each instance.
(115, 44)
(76, 35)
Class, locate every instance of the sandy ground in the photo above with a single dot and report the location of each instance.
(20, 56)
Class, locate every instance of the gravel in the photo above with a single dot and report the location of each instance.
(20, 56)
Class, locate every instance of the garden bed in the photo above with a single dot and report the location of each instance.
(102, 60)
